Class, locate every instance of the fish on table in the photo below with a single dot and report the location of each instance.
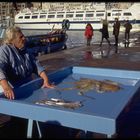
(85, 84)
(60, 102)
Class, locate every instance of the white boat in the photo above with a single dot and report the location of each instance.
(46, 20)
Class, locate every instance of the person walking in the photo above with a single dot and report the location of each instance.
(89, 33)
(105, 35)
(128, 27)
(116, 30)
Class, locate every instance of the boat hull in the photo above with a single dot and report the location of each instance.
(51, 42)
(49, 26)
(73, 25)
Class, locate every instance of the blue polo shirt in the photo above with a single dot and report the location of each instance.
(17, 65)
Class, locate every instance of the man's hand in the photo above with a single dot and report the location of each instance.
(46, 81)
(8, 91)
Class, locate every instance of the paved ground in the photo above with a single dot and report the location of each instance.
(127, 58)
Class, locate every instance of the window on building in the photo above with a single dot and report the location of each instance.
(27, 17)
(79, 11)
(127, 14)
(116, 14)
(69, 12)
(42, 16)
(109, 14)
(69, 15)
(89, 11)
(60, 16)
(100, 11)
(79, 15)
(89, 15)
(100, 14)
(51, 16)
(34, 17)
(21, 17)
(60, 13)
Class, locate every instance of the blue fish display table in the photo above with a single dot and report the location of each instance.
(99, 111)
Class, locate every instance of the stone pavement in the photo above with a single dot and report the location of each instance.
(126, 58)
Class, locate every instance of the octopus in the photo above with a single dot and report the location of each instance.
(85, 84)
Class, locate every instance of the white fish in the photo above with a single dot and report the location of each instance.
(59, 102)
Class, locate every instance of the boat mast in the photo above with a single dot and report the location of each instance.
(40, 5)
(106, 3)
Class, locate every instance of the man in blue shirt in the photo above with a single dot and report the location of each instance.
(16, 64)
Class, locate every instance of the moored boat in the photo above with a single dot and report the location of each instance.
(77, 19)
(46, 43)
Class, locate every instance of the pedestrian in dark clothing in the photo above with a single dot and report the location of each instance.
(116, 30)
(89, 33)
(105, 34)
(128, 27)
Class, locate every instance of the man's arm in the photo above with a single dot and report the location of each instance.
(45, 80)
